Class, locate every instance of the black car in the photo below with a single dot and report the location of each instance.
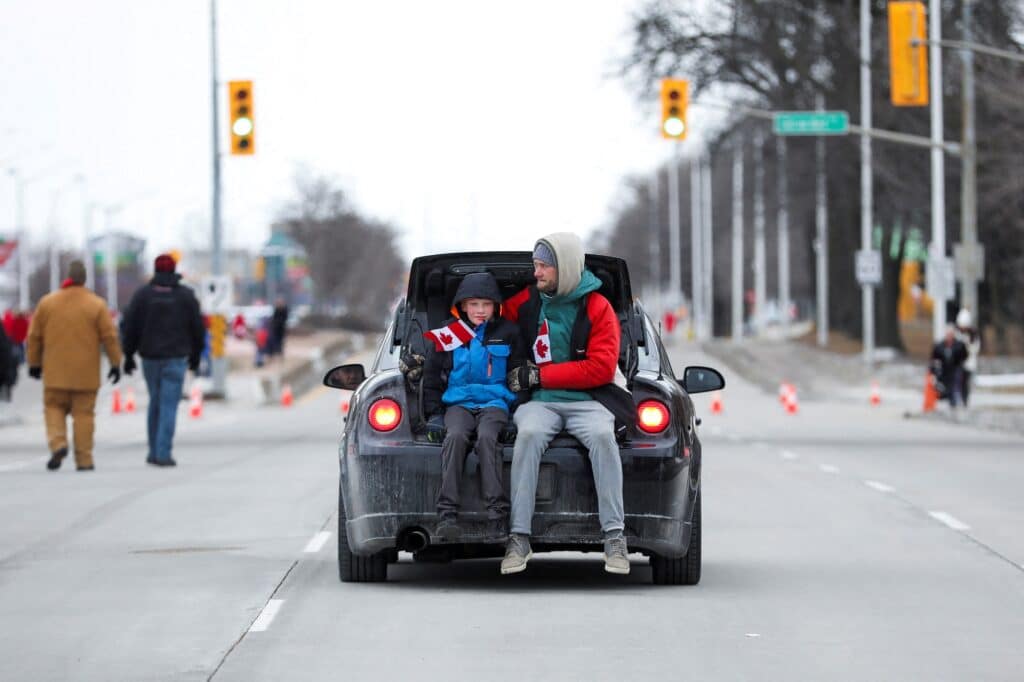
(391, 472)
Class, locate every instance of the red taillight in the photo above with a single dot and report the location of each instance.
(652, 416)
(384, 414)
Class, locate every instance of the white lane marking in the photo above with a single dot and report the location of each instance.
(266, 616)
(753, 635)
(786, 454)
(828, 468)
(15, 466)
(318, 542)
(949, 520)
(880, 487)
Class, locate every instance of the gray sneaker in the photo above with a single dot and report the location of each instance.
(517, 553)
(615, 554)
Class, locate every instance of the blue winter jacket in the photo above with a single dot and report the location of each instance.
(473, 375)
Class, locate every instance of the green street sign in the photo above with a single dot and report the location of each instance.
(811, 123)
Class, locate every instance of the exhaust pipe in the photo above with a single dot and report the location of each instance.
(414, 540)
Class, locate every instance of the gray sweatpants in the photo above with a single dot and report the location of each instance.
(593, 426)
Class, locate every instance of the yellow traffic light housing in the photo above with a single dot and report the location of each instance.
(240, 117)
(908, 63)
(675, 94)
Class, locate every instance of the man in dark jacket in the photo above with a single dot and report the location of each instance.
(8, 366)
(164, 326)
(948, 357)
(465, 392)
(574, 334)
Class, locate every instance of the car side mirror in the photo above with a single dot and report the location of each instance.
(346, 377)
(702, 379)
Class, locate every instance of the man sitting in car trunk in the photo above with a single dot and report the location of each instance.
(577, 387)
(464, 391)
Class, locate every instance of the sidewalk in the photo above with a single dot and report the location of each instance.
(823, 375)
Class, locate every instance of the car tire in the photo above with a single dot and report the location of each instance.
(354, 568)
(684, 570)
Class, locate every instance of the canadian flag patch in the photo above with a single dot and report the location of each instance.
(450, 337)
(542, 346)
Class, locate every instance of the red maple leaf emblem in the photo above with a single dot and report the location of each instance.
(542, 349)
(446, 339)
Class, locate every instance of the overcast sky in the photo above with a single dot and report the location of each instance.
(468, 124)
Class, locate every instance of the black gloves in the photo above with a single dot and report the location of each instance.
(435, 428)
(35, 372)
(114, 374)
(129, 364)
(193, 365)
(524, 377)
(411, 366)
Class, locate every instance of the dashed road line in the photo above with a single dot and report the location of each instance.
(266, 616)
(828, 468)
(318, 542)
(880, 487)
(786, 454)
(949, 520)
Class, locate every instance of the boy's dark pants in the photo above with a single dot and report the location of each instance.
(460, 424)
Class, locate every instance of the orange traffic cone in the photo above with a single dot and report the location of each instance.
(195, 406)
(792, 404)
(931, 396)
(115, 406)
(286, 396)
(876, 394)
(716, 402)
(129, 399)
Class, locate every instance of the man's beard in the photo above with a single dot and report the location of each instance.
(549, 288)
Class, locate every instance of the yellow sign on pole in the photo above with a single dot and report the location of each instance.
(908, 62)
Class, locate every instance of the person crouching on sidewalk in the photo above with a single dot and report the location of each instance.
(465, 390)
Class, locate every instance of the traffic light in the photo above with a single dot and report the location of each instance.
(908, 63)
(674, 98)
(240, 116)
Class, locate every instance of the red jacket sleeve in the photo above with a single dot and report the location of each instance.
(602, 358)
(510, 307)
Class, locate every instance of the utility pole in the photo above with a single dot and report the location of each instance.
(675, 273)
(937, 253)
(654, 244)
(760, 274)
(821, 243)
(737, 240)
(696, 249)
(19, 218)
(969, 256)
(866, 197)
(706, 242)
(783, 229)
(215, 252)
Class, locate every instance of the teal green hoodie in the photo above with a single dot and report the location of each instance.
(560, 312)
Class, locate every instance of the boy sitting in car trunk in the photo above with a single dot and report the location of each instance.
(465, 390)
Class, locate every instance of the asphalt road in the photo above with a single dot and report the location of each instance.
(841, 543)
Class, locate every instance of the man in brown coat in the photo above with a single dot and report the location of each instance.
(64, 350)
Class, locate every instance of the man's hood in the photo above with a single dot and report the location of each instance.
(568, 250)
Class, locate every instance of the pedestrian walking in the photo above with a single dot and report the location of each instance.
(278, 328)
(968, 335)
(8, 367)
(948, 357)
(64, 340)
(576, 385)
(163, 325)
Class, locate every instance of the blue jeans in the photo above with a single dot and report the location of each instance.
(164, 379)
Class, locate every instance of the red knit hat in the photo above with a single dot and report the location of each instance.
(164, 263)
